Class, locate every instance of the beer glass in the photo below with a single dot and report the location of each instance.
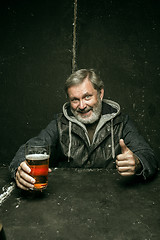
(37, 158)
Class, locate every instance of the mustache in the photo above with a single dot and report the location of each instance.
(85, 110)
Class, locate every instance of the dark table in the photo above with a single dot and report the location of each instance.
(82, 204)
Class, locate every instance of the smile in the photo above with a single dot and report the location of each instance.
(85, 114)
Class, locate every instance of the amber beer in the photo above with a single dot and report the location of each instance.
(38, 164)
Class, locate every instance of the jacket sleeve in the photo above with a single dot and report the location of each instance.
(136, 143)
(48, 135)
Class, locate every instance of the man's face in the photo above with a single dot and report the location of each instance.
(86, 103)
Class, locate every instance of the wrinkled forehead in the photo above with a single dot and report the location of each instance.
(81, 89)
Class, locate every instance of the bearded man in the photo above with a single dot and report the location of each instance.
(91, 132)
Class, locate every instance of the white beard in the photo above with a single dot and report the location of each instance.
(96, 112)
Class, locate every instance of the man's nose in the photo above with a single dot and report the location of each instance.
(82, 104)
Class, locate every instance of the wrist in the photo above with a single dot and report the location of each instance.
(138, 165)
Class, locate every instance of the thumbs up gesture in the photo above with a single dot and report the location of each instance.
(127, 163)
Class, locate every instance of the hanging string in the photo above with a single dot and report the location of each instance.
(74, 37)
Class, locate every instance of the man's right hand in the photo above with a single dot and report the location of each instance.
(23, 179)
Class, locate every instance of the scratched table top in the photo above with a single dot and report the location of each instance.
(82, 204)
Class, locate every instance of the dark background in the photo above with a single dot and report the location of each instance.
(119, 39)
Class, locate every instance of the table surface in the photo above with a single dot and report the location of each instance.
(82, 204)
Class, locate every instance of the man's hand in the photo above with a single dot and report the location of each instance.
(127, 163)
(23, 179)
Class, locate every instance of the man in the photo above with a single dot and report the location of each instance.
(91, 132)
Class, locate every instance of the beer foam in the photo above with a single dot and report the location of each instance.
(37, 157)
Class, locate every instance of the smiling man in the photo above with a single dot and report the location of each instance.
(85, 101)
(91, 132)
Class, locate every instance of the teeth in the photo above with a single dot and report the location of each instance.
(84, 112)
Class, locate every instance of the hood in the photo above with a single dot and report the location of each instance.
(110, 110)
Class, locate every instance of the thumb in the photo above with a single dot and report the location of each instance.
(49, 170)
(124, 148)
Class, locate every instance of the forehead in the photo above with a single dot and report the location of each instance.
(81, 89)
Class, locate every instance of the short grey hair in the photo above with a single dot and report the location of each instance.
(79, 76)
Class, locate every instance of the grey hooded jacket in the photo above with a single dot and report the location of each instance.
(71, 146)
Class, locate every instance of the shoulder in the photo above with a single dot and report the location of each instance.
(121, 118)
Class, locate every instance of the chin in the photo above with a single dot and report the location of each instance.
(87, 120)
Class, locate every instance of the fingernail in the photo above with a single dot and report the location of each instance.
(33, 180)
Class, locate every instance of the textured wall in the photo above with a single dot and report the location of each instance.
(120, 39)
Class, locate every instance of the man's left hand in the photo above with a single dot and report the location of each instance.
(127, 163)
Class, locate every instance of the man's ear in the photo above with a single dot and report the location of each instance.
(101, 94)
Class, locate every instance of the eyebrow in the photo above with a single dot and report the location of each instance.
(83, 96)
(87, 94)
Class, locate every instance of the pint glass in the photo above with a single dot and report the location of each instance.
(37, 158)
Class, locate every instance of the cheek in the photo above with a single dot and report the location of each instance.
(74, 106)
(93, 102)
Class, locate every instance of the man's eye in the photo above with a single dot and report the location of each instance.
(74, 100)
(88, 97)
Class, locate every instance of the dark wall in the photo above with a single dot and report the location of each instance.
(120, 39)
(35, 59)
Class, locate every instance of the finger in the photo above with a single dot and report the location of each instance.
(21, 186)
(122, 157)
(21, 174)
(124, 162)
(49, 170)
(26, 177)
(24, 180)
(124, 148)
(125, 169)
(128, 155)
(125, 174)
(25, 167)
